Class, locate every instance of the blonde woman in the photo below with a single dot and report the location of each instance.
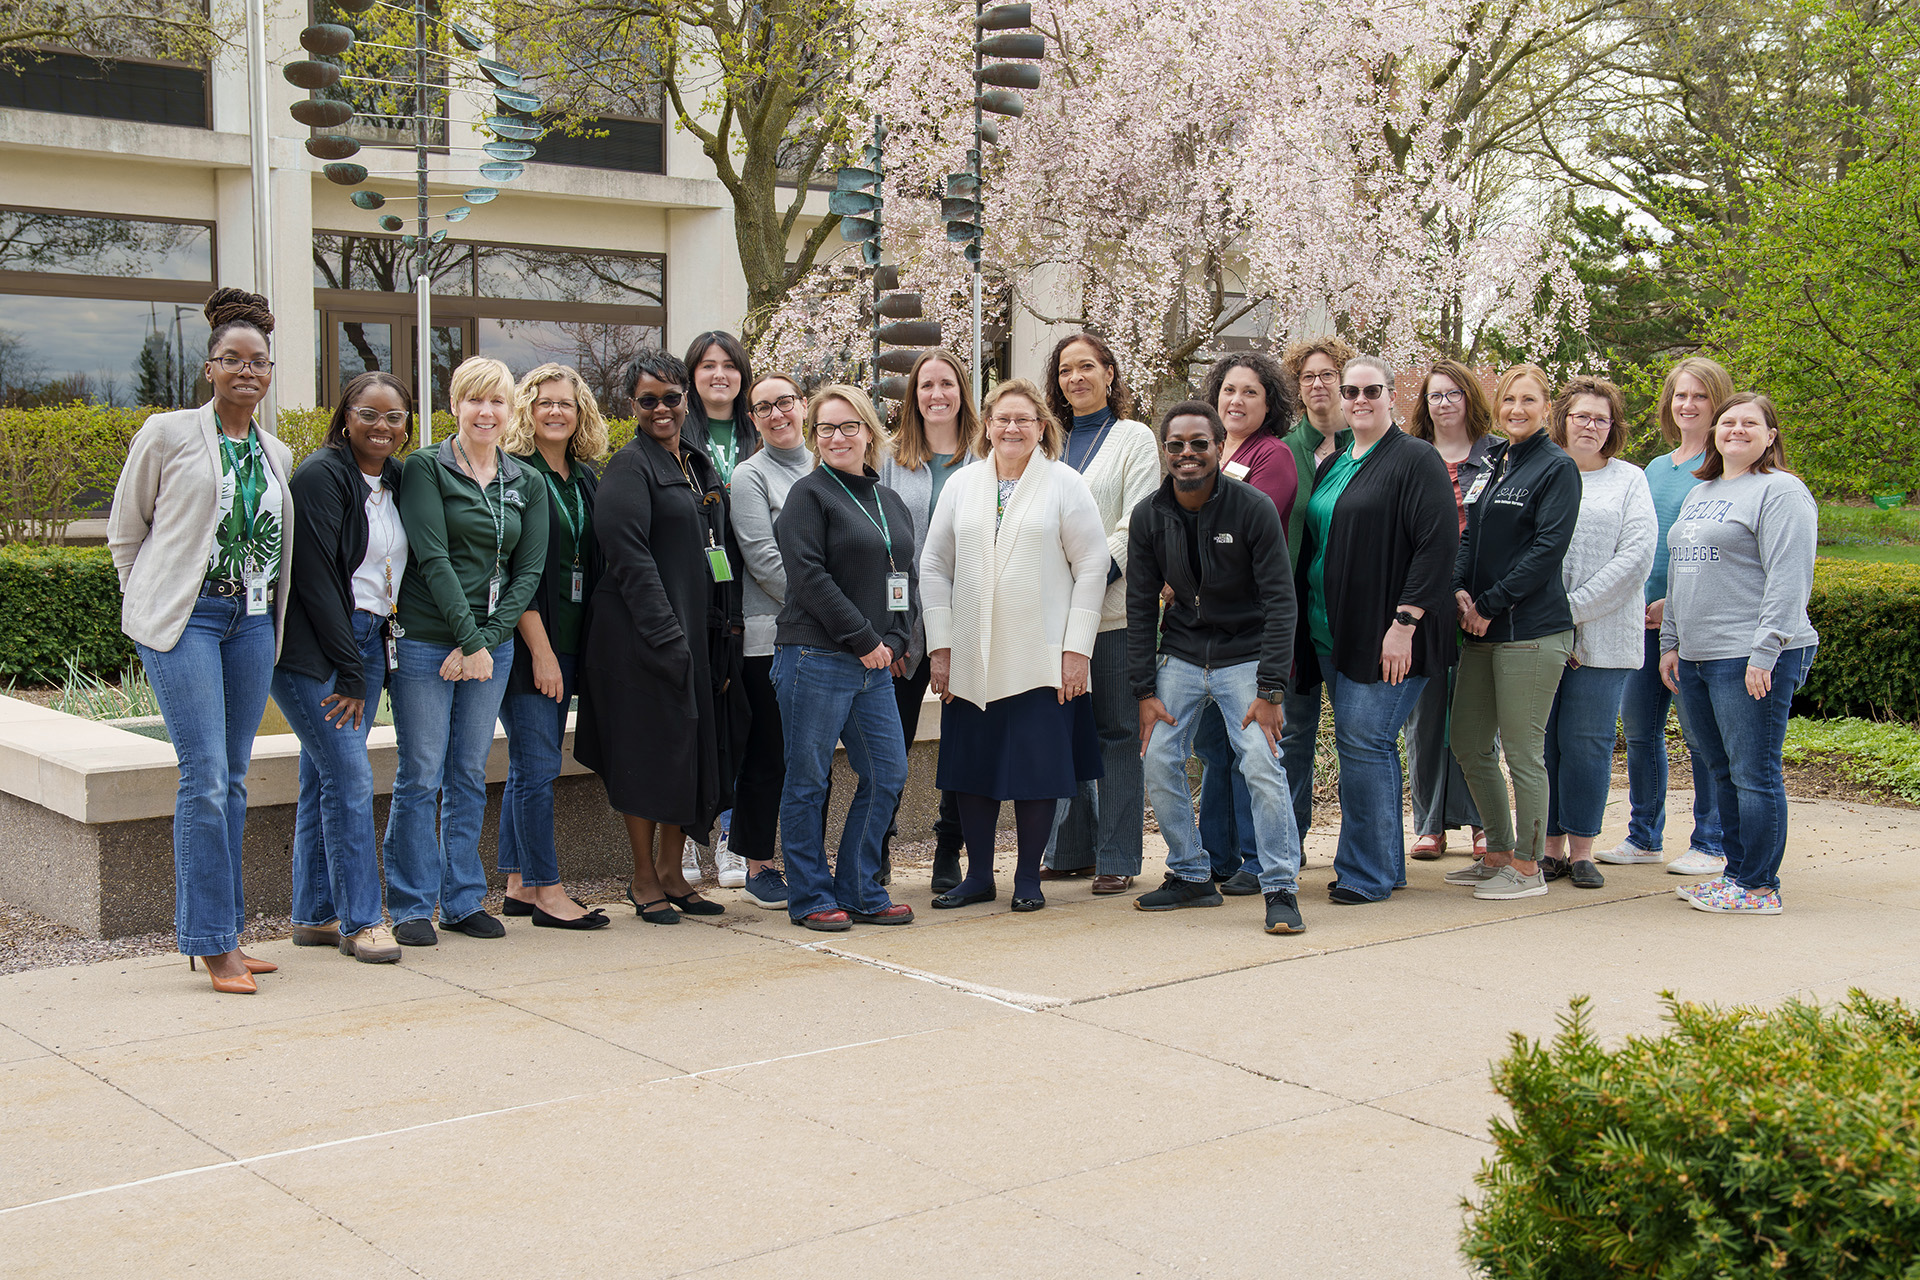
(476, 522)
(1014, 576)
(557, 431)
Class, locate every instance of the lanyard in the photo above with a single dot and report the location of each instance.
(497, 515)
(575, 521)
(724, 462)
(248, 481)
(886, 534)
(1087, 460)
(377, 501)
(700, 500)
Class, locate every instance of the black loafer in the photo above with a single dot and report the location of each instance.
(477, 924)
(416, 933)
(594, 919)
(947, 901)
(1028, 904)
(1345, 897)
(1585, 875)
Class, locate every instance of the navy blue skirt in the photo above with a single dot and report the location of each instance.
(1027, 747)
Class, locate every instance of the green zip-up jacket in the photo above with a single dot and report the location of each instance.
(1303, 440)
(450, 554)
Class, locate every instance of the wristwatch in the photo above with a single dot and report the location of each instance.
(1271, 695)
(1405, 619)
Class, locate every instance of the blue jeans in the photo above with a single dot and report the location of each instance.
(1188, 691)
(1226, 806)
(1643, 716)
(536, 728)
(445, 731)
(1371, 858)
(336, 869)
(1101, 827)
(827, 697)
(1580, 733)
(212, 689)
(1741, 737)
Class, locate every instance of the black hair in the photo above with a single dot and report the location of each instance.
(230, 309)
(657, 365)
(1273, 380)
(745, 431)
(1119, 394)
(1194, 409)
(735, 352)
(337, 424)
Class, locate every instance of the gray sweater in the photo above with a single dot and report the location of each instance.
(760, 485)
(1740, 570)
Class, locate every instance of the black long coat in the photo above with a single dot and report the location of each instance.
(662, 709)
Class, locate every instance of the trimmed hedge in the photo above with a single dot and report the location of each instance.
(59, 602)
(1868, 617)
(1738, 1144)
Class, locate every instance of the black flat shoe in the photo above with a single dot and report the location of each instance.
(518, 907)
(1340, 895)
(1029, 904)
(948, 901)
(665, 915)
(594, 919)
(692, 906)
(1585, 875)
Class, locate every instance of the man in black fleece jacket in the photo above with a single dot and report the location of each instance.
(1226, 637)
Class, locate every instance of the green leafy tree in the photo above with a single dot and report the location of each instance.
(175, 29)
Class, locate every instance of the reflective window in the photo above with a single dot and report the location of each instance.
(56, 350)
(380, 264)
(75, 244)
(598, 351)
(558, 275)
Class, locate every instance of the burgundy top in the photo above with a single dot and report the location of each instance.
(1459, 499)
(1268, 464)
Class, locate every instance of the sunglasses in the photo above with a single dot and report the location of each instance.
(1372, 391)
(1178, 447)
(651, 402)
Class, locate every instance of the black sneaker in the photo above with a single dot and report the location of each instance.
(1241, 884)
(477, 925)
(416, 933)
(1175, 892)
(1553, 868)
(1283, 913)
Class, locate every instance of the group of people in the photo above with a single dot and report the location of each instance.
(764, 573)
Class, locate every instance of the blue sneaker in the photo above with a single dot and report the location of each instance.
(768, 889)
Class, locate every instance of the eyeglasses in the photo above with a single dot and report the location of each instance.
(366, 417)
(1177, 447)
(548, 406)
(1328, 376)
(782, 404)
(651, 402)
(1014, 424)
(1372, 391)
(847, 429)
(234, 364)
(1438, 398)
(1589, 420)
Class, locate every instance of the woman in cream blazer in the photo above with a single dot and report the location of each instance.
(201, 533)
(1012, 581)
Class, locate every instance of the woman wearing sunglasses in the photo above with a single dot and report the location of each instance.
(658, 707)
(1375, 565)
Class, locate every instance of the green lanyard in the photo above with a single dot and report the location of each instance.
(724, 462)
(497, 514)
(574, 520)
(886, 535)
(249, 482)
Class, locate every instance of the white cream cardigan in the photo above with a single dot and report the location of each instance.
(1007, 605)
(1125, 473)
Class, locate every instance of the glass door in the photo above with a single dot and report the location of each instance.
(357, 343)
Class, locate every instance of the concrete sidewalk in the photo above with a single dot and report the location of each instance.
(1090, 1090)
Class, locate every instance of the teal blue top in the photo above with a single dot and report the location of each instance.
(1326, 495)
(937, 467)
(1670, 486)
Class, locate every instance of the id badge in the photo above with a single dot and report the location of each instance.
(393, 654)
(1237, 470)
(256, 594)
(493, 595)
(1479, 483)
(897, 593)
(718, 565)
(578, 591)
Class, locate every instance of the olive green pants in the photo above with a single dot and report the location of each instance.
(1507, 688)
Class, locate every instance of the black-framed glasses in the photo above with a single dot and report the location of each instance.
(234, 364)
(1372, 391)
(650, 402)
(847, 429)
(1177, 447)
(395, 418)
(781, 404)
(1438, 398)
(1325, 375)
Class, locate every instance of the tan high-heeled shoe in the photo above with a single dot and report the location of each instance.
(258, 966)
(244, 985)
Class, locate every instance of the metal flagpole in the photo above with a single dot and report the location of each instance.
(262, 206)
(422, 283)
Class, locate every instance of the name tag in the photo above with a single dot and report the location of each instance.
(393, 654)
(1238, 470)
(578, 590)
(717, 564)
(493, 595)
(1479, 483)
(897, 599)
(256, 594)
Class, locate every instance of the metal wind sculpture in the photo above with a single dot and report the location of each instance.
(512, 126)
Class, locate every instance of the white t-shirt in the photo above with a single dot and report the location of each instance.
(386, 552)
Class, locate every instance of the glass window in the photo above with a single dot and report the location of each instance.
(75, 244)
(56, 350)
(380, 264)
(598, 351)
(559, 275)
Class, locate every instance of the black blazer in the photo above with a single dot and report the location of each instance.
(558, 575)
(1390, 543)
(331, 497)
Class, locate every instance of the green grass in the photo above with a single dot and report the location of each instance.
(1875, 554)
(1868, 526)
(1878, 753)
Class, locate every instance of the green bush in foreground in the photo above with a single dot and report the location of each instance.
(1740, 1143)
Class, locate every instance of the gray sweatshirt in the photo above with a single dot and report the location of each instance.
(1740, 570)
(760, 485)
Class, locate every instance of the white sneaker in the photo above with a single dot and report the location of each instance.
(1697, 862)
(1626, 854)
(690, 862)
(730, 866)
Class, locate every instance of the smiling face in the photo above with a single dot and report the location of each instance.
(1446, 403)
(483, 413)
(1013, 432)
(1194, 467)
(243, 386)
(717, 379)
(780, 412)
(1523, 409)
(1589, 424)
(1242, 403)
(376, 426)
(662, 421)
(1366, 415)
(842, 436)
(937, 392)
(556, 414)
(1743, 437)
(1690, 405)
(1319, 386)
(1084, 378)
